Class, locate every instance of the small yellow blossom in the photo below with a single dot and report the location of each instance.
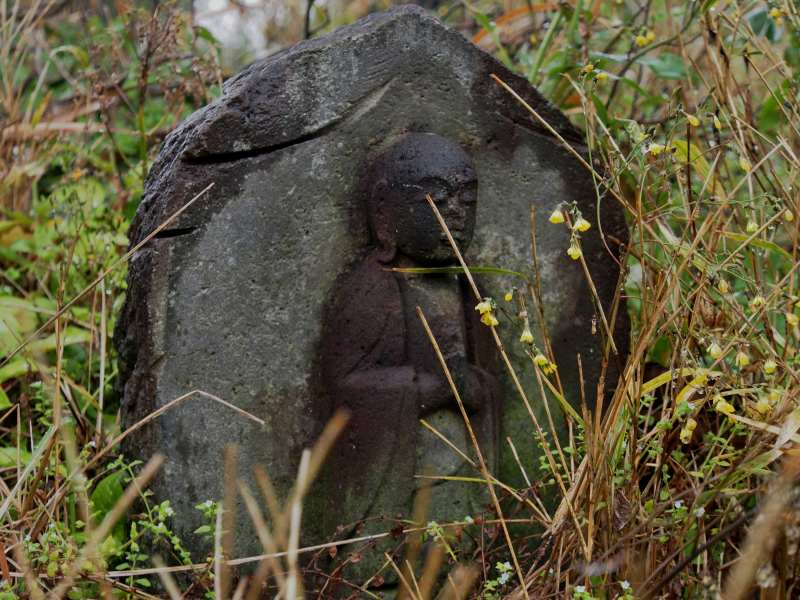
(651, 36)
(693, 121)
(788, 216)
(509, 296)
(792, 319)
(601, 76)
(574, 251)
(742, 359)
(770, 366)
(587, 68)
(655, 149)
(723, 286)
(76, 174)
(581, 225)
(751, 226)
(527, 336)
(717, 123)
(557, 217)
(777, 16)
(763, 407)
(745, 164)
(723, 405)
(540, 360)
(640, 40)
(714, 350)
(774, 395)
(485, 306)
(489, 319)
(757, 302)
(687, 430)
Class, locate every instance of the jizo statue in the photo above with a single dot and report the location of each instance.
(377, 360)
(282, 284)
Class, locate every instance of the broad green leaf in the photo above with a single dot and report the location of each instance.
(666, 65)
(5, 403)
(9, 454)
(106, 494)
(758, 243)
(660, 352)
(19, 366)
(104, 497)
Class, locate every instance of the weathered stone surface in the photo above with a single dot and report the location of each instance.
(232, 299)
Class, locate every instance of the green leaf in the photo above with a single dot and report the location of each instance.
(5, 403)
(8, 457)
(458, 270)
(106, 494)
(666, 65)
(763, 25)
(660, 352)
(104, 497)
(759, 243)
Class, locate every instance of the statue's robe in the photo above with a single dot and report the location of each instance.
(377, 362)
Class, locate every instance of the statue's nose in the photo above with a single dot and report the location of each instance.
(456, 213)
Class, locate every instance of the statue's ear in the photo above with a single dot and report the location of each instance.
(380, 222)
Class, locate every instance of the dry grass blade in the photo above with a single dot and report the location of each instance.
(459, 583)
(481, 461)
(166, 579)
(764, 534)
(228, 517)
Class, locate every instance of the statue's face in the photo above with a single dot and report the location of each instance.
(426, 164)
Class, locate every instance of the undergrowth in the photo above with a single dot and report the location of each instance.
(684, 486)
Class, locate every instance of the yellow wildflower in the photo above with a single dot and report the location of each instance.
(745, 164)
(489, 319)
(723, 405)
(763, 407)
(655, 149)
(693, 121)
(509, 296)
(788, 216)
(777, 16)
(601, 76)
(723, 286)
(574, 251)
(757, 302)
(688, 430)
(717, 123)
(640, 40)
(527, 336)
(581, 225)
(587, 68)
(742, 359)
(651, 36)
(485, 306)
(714, 350)
(751, 226)
(557, 217)
(774, 395)
(770, 366)
(540, 360)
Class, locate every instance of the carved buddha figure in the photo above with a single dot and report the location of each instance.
(377, 360)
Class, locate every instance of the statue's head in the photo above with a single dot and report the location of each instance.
(398, 181)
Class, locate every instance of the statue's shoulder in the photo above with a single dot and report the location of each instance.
(365, 325)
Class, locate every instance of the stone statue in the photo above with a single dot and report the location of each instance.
(377, 360)
(273, 291)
